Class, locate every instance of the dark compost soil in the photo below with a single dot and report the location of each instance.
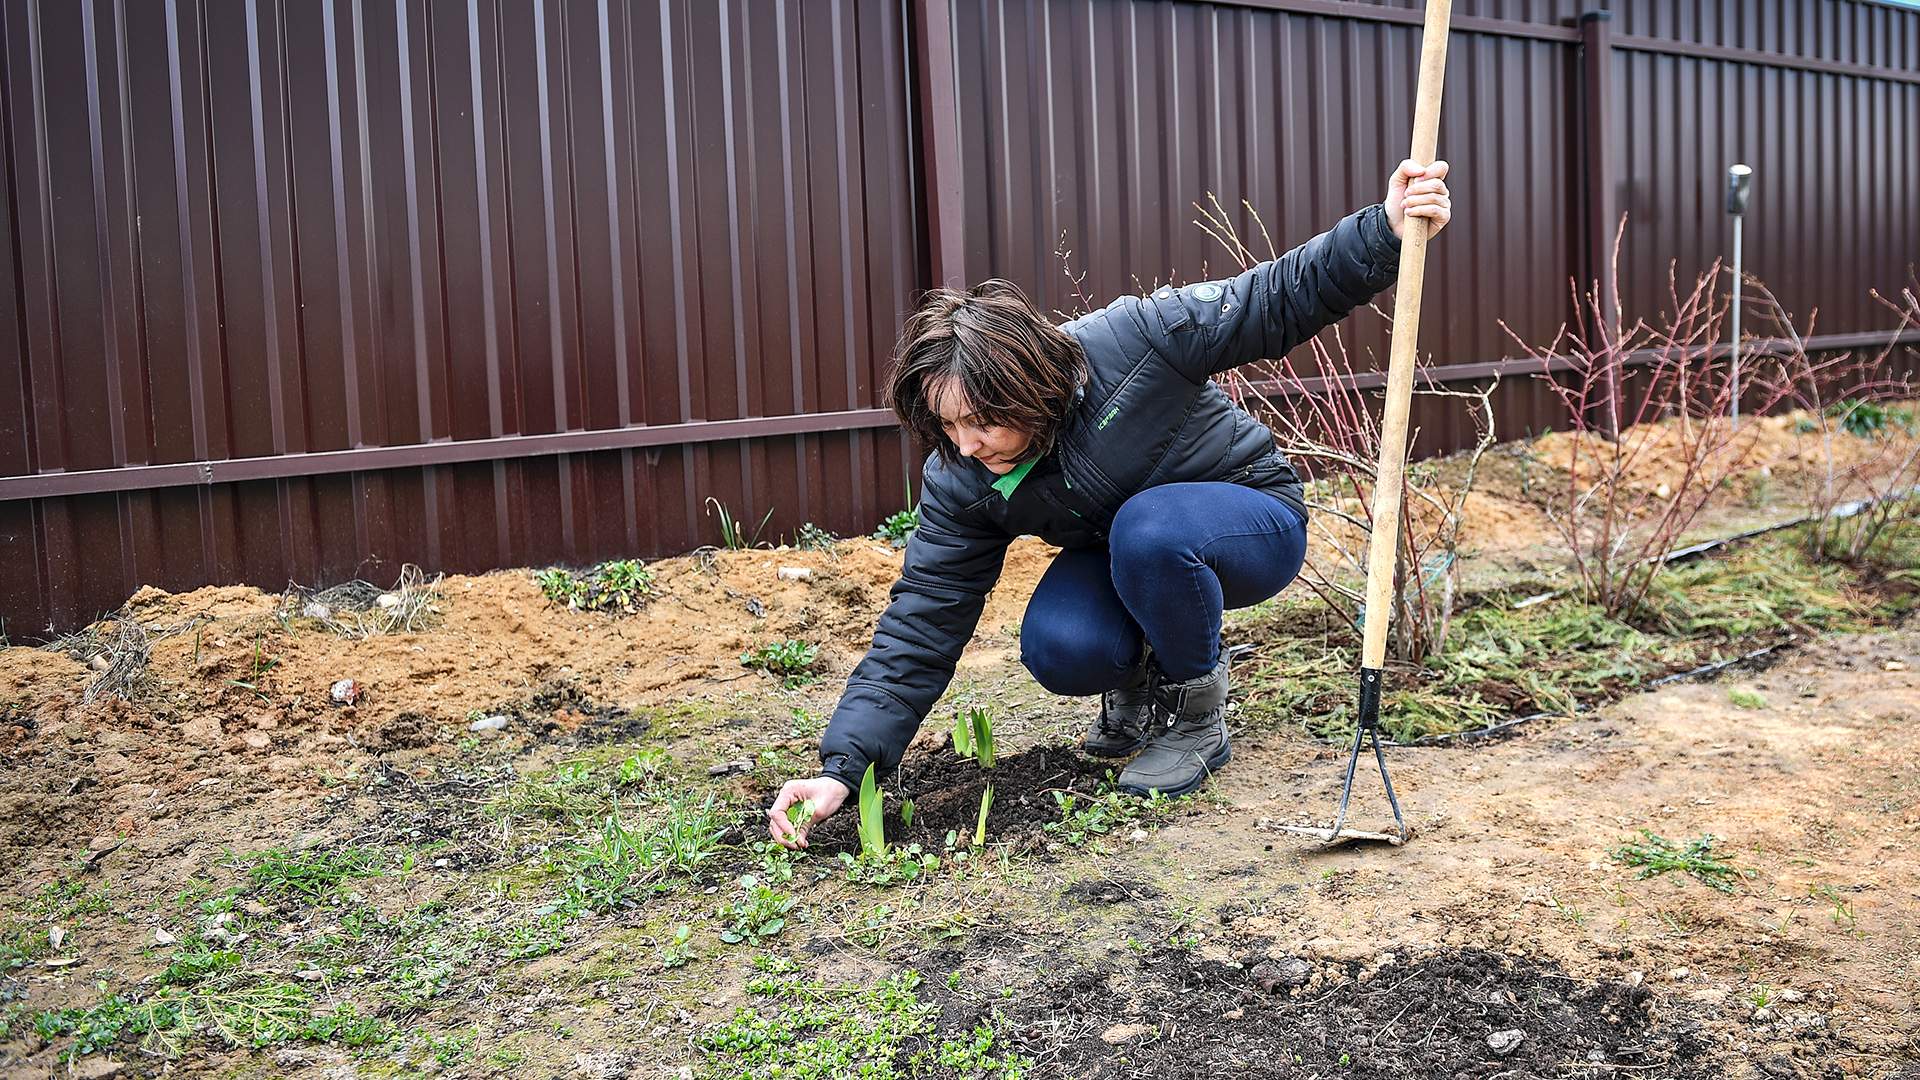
(945, 789)
(1433, 1016)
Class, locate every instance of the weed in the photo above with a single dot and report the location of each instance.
(570, 791)
(1761, 996)
(1842, 908)
(896, 866)
(760, 913)
(22, 945)
(642, 767)
(1866, 419)
(1084, 818)
(791, 661)
(732, 536)
(619, 585)
(542, 935)
(680, 950)
(622, 863)
(810, 1031)
(68, 899)
(1656, 855)
(1743, 698)
(898, 528)
(313, 875)
(814, 538)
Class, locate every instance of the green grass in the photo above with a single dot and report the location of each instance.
(237, 1012)
(1656, 855)
(22, 945)
(1084, 819)
(623, 862)
(313, 875)
(1743, 698)
(805, 1030)
(1554, 656)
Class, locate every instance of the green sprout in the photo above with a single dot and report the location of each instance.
(873, 830)
(963, 734)
(983, 738)
(980, 827)
(732, 536)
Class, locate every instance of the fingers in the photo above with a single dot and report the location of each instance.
(778, 826)
(1407, 171)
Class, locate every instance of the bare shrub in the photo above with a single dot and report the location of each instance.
(1859, 411)
(1640, 465)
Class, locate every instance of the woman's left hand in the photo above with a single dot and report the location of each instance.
(1416, 192)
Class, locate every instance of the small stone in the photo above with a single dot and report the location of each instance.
(257, 740)
(310, 975)
(1762, 1015)
(1896, 665)
(1635, 978)
(161, 937)
(795, 573)
(1505, 1042)
(1233, 1014)
(345, 692)
(100, 663)
(316, 610)
(1680, 974)
(1791, 996)
(1120, 1033)
(56, 935)
(495, 722)
(388, 601)
(1137, 835)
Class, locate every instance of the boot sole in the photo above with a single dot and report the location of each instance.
(1214, 765)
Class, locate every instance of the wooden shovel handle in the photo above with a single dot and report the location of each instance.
(1391, 476)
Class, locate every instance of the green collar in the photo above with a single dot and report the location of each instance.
(1005, 484)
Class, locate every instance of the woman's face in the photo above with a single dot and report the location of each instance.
(998, 448)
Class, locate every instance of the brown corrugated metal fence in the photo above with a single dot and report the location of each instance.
(304, 290)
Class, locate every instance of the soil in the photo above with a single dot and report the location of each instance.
(1455, 1013)
(946, 790)
(1508, 911)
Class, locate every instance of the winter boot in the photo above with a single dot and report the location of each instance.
(1125, 715)
(1192, 745)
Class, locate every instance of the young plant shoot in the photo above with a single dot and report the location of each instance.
(982, 738)
(980, 827)
(873, 830)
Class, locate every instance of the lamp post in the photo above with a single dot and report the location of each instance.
(1739, 187)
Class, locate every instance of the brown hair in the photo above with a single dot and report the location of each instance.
(1017, 369)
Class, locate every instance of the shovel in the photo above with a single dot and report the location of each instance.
(1390, 478)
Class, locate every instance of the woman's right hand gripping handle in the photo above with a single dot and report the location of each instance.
(823, 793)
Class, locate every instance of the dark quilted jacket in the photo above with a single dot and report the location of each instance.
(1150, 414)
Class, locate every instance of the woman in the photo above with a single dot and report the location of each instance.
(1106, 437)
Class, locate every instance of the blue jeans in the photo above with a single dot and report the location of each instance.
(1176, 557)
